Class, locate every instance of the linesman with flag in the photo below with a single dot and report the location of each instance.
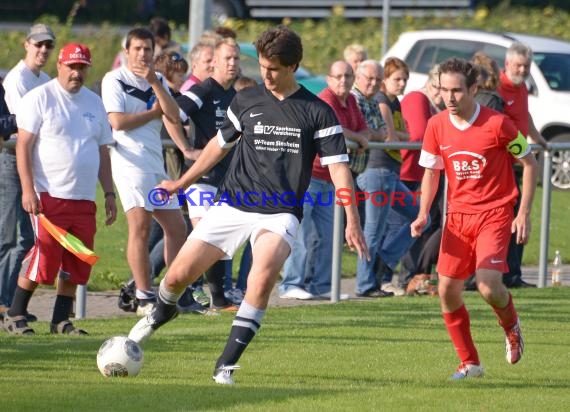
(61, 151)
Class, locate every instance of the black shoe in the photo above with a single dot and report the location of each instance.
(522, 284)
(30, 317)
(375, 293)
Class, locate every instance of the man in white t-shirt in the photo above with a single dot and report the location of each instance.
(22, 78)
(61, 151)
(137, 99)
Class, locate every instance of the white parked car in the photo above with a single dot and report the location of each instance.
(549, 81)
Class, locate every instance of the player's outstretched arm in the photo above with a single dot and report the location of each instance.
(211, 155)
(342, 179)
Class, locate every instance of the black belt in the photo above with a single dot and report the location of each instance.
(8, 150)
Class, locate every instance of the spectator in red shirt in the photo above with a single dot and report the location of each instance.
(311, 256)
(513, 90)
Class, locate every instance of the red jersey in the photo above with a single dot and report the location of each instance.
(475, 158)
(349, 117)
(516, 102)
(416, 109)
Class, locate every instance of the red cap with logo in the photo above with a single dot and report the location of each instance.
(73, 53)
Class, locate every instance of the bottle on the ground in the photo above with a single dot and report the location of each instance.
(557, 269)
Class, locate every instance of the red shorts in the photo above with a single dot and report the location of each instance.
(48, 258)
(479, 241)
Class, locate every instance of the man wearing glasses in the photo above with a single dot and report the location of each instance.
(23, 77)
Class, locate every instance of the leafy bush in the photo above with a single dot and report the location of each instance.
(323, 40)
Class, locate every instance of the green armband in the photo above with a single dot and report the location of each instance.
(519, 146)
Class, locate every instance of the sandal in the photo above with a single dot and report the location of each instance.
(65, 327)
(17, 325)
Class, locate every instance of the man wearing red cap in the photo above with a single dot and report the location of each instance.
(61, 150)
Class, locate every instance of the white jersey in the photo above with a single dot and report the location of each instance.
(70, 127)
(140, 148)
(19, 81)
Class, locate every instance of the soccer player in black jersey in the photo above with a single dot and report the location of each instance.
(277, 129)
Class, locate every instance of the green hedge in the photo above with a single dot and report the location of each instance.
(323, 40)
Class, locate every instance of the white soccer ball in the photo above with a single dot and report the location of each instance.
(120, 356)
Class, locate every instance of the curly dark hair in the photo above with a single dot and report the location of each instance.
(461, 66)
(280, 43)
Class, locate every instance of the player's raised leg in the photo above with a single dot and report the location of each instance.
(495, 293)
(192, 260)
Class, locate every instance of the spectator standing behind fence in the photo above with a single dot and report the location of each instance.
(241, 83)
(7, 127)
(206, 104)
(26, 75)
(403, 204)
(302, 121)
(480, 217)
(162, 36)
(136, 98)
(513, 90)
(310, 264)
(201, 57)
(487, 82)
(354, 54)
(63, 135)
(418, 107)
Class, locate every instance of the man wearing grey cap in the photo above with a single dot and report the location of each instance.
(25, 76)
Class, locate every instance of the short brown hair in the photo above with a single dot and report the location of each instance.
(280, 43)
(461, 66)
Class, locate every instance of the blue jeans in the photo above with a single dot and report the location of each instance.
(397, 234)
(244, 267)
(380, 185)
(13, 248)
(307, 256)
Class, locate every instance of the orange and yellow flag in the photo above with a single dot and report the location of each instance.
(69, 242)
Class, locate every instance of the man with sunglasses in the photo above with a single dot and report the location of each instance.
(23, 77)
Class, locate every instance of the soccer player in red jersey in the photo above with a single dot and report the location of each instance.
(474, 146)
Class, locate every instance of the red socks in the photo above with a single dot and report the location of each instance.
(459, 329)
(508, 315)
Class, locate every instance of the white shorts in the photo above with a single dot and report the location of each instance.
(138, 190)
(200, 197)
(228, 228)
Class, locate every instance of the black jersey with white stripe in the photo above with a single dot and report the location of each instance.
(206, 104)
(271, 167)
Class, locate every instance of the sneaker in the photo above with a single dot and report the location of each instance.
(468, 371)
(297, 293)
(327, 296)
(514, 343)
(223, 374)
(396, 290)
(235, 296)
(146, 326)
(201, 297)
(197, 308)
(375, 293)
(145, 308)
(16, 325)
